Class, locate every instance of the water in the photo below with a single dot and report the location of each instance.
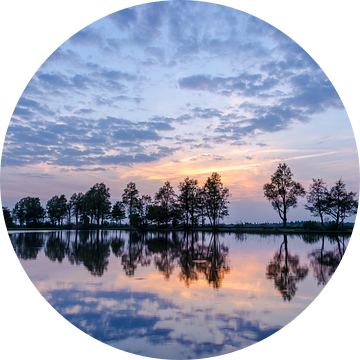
(178, 295)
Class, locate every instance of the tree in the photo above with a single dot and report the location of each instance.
(97, 202)
(156, 214)
(201, 206)
(34, 212)
(118, 212)
(69, 207)
(52, 209)
(77, 201)
(62, 208)
(215, 197)
(339, 203)
(316, 199)
(142, 207)
(19, 211)
(283, 191)
(56, 209)
(165, 197)
(7, 217)
(130, 197)
(187, 200)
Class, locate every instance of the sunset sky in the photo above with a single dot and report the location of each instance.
(167, 90)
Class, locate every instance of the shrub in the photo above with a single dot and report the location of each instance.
(311, 225)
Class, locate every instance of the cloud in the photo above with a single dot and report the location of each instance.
(87, 37)
(111, 75)
(262, 144)
(142, 25)
(206, 113)
(180, 119)
(160, 126)
(244, 84)
(84, 111)
(135, 134)
(78, 141)
(34, 105)
(155, 52)
(202, 146)
(124, 19)
(37, 175)
(63, 56)
(55, 81)
(84, 169)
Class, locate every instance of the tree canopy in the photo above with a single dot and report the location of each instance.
(215, 197)
(340, 204)
(316, 199)
(283, 191)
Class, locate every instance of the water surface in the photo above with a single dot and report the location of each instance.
(178, 295)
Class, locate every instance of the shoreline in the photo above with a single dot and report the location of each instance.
(260, 230)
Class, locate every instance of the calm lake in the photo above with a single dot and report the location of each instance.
(178, 295)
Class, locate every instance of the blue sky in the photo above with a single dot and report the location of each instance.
(173, 89)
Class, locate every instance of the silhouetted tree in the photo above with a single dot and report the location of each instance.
(188, 201)
(165, 197)
(34, 212)
(118, 212)
(142, 207)
(19, 211)
(156, 214)
(283, 191)
(339, 203)
(69, 209)
(97, 202)
(316, 199)
(77, 201)
(56, 209)
(130, 197)
(201, 205)
(7, 217)
(215, 197)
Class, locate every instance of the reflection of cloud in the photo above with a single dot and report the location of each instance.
(112, 318)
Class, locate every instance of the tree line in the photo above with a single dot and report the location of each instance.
(192, 206)
(283, 192)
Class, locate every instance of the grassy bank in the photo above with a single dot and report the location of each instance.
(346, 230)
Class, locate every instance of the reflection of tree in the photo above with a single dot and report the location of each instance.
(324, 263)
(286, 271)
(95, 254)
(117, 244)
(27, 245)
(240, 236)
(216, 265)
(137, 253)
(74, 253)
(311, 238)
(211, 260)
(165, 252)
(187, 266)
(56, 248)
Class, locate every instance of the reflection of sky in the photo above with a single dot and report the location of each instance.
(153, 93)
(149, 315)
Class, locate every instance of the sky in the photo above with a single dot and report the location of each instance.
(166, 90)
